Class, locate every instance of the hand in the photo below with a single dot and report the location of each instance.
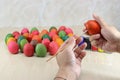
(69, 60)
(109, 39)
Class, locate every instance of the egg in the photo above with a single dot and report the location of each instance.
(68, 30)
(24, 30)
(59, 41)
(54, 37)
(37, 37)
(22, 43)
(46, 42)
(13, 47)
(54, 31)
(53, 47)
(40, 50)
(34, 43)
(19, 39)
(28, 50)
(16, 34)
(8, 36)
(35, 32)
(11, 39)
(62, 28)
(65, 38)
(52, 27)
(70, 34)
(46, 36)
(33, 29)
(51, 34)
(61, 34)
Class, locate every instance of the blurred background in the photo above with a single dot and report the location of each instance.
(25, 13)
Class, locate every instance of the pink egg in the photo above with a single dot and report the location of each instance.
(62, 28)
(35, 32)
(68, 30)
(46, 42)
(24, 30)
(28, 50)
(51, 34)
(13, 47)
(16, 34)
(53, 47)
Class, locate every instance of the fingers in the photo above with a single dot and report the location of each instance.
(81, 55)
(94, 37)
(100, 21)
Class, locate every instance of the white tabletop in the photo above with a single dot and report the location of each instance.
(95, 66)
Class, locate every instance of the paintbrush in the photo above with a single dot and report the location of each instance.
(66, 47)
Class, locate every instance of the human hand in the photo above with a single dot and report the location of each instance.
(69, 60)
(109, 39)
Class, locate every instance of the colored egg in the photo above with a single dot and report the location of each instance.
(62, 28)
(34, 43)
(54, 37)
(70, 34)
(33, 29)
(11, 39)
(43, 32)
(92, 27)
(41, 50)
(22, 43)
(59, 41)
(26, 35)
(24, 30)
(16, 33)
(19, 39)
(54, 31)
(28, 50)
(68, 30)
(46, 42)
(53, 47)
(35, 32)
(13, 47)
(30, 37)
(8, 36)
(52, 27)
(37, 37)
(61, 34)
(65, 38)
(51, 34)
(46, 36)
(100, 50)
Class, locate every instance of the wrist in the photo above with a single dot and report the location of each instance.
(67, 73)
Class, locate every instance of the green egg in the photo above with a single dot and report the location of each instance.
(33, 29)
(8, 36)
(46, 36)
(19, 39)
(65, 38)
(62, 34)
(52, 27)
(22, 43)
(40, 50)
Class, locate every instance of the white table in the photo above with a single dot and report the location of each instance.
(95, 66)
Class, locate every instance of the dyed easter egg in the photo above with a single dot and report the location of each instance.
(54, 31)
(54, 37)
(46, 36)
(52, 27)
(19, 39)
(28, 50)
(92, 27)
(40, 50)
(35, 32)
(16, 34)
(62, 28)
(24, 30)
(53, 47)
(68, 30)
(13, 47)
(33, 29)
(46, 42)
(11, 39)
(8, 36)
(51, 34)
(59, 41)
(61, 34)
(34, 43)
(70, 34)
(65, 38)
(37, 37)
(22, 43)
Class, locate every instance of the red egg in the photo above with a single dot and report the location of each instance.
(53, 47)
(51, 34)
(35, 32)
(62, 28)
(68, 30)
(28, 50)
(13, 47)
(24, 30)
(46, 42)
(16, 34)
